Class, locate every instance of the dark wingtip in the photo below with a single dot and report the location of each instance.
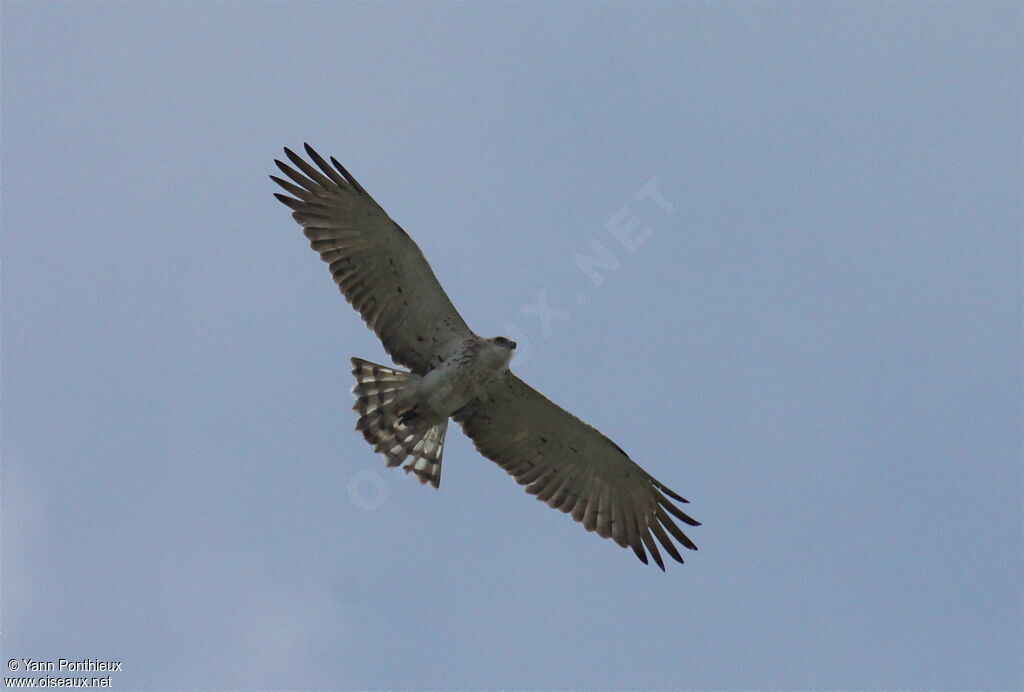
(675, 496)
(292, 189)
(678, 513)
(289, 202)
(348, 176)
(652, 548)
(665, 541)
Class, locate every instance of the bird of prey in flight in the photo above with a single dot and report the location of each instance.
(453, 373)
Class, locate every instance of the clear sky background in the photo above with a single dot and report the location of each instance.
(819, 346)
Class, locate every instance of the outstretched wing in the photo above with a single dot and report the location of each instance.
(574, 468)
(377, 266)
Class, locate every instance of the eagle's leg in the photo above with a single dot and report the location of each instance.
(408, 416)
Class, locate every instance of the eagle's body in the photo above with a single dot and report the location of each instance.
(404, 415)
(456, 374)
(464, 375)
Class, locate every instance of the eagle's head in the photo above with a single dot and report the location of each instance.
(502, 349)
(504, 342)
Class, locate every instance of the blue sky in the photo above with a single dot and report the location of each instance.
(819, 345)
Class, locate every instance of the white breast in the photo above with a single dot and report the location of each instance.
(462, 377)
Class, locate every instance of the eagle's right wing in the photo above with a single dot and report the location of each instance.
(573, 467)
(377, 266)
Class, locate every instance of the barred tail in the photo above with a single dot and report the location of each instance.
(393, 429)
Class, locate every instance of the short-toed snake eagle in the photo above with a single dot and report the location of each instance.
(455, 373)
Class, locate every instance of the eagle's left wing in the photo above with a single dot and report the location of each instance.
(574, 468)
(377, 266)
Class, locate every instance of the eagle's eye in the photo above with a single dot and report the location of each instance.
(507, 343)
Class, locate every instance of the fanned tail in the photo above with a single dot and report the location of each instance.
(394, 430)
